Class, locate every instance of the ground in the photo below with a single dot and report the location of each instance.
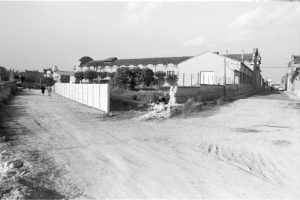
(248, 148)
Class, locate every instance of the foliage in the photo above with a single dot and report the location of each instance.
(90, 75)
(78, 76)
(147, 76)
(84, 60)
(65, 79)
(49, 81)
(160, 74)
(122, 77)
(102, 74)
(135, 77)
(172, 79)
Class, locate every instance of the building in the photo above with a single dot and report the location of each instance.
(242, 70)
(293, 73)
(64, 76)
(166, 64)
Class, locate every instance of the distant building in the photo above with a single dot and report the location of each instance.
(64, 76)
(293, 72)
(206, 68)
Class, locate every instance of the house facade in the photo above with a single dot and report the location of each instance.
(293, 73)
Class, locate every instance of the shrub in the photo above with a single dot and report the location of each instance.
(122, 77)
(90, 75)
(49, 81)
(65, 79)
(172, 79)
(78, 76)
(102, 74)
(147, 76)
(160, 74)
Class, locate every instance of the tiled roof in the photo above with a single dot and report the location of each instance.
(142, 61)
(247, 57)
(65, 73)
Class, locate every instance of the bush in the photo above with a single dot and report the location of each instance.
(78, 76)
(49, 81)
(90, 75)
(160, 74)
(147, 76)
(122, 77)
(172, 79)
(65, 79)
(102, 74)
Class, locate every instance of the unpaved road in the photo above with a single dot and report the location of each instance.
(245, 149)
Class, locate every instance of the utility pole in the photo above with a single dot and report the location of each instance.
(225, 73)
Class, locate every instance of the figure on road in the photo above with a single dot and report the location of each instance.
(49, 90)
(43, 89)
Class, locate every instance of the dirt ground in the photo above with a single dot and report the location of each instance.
(245, 149)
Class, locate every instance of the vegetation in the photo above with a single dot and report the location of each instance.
(90, 75)
(147, 76)
(122, 77)
(160, 77)
(160, 74)
(78, 76)
(65, 79)
(48, 81)
(102, 74)
(84, 60)
(172, 79)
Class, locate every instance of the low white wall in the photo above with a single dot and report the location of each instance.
(94, 95)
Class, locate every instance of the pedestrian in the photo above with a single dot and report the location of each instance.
(43, 88)
(49, 90)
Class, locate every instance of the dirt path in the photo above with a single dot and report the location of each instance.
(246, 149)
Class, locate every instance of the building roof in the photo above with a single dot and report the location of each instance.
(65, 73)
(139, 61)
(247, 57)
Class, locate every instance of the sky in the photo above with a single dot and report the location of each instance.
(37, 35)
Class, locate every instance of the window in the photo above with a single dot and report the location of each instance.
(170, 72)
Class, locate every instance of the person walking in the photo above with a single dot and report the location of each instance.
(43, 88)
(49, 90)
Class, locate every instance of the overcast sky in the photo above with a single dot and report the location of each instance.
(36, 35)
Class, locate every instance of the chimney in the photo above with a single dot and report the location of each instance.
(242, 56)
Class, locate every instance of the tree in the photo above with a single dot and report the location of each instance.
(135, 77)
(65, 79)
(84, 60)
(102, 74)
(78, 76)
(49, 81)
(122, 77)
(90, 75)
(148, 76)
(160, 76)
(172, 79)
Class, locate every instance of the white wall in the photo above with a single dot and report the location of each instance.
(94, 95)
(206, 62)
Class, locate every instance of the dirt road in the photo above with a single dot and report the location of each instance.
(245, 149)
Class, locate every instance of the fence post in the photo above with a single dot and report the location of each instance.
(183, 79)
(191, 79)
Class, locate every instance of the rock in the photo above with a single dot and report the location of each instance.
(18, 164)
